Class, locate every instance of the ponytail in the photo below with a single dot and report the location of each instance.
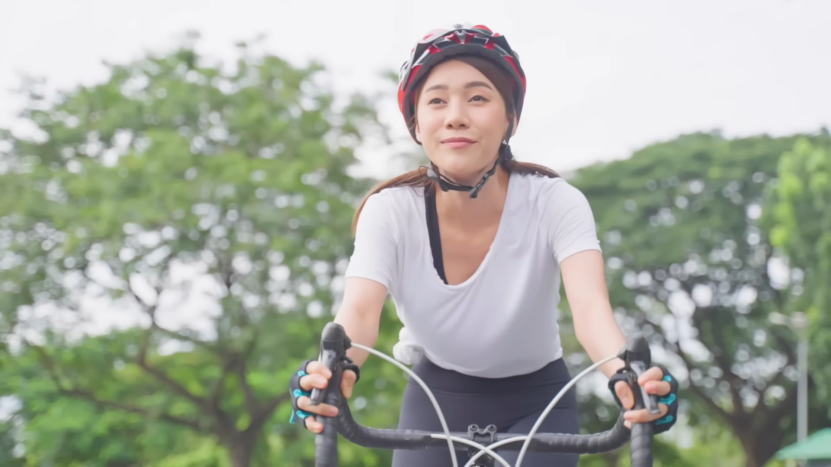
(511, 165)
(418, 178)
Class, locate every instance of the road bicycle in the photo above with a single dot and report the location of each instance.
(480, 442)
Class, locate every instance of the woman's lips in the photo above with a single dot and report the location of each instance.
(458, 143)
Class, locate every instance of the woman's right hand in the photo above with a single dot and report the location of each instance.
(317, 377)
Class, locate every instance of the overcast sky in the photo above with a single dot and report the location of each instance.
(605, 77)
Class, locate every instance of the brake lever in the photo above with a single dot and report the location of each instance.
(638, 359)
(333, 346)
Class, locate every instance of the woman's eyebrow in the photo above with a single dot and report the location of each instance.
(472, 84)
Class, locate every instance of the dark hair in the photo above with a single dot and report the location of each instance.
(418, 178)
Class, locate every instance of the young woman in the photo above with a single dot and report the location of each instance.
(471, 251)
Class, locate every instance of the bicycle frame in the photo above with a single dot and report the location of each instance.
(334, 344)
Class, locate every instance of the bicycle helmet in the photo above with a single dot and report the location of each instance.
(441, 44)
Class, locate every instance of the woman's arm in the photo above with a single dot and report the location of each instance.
(574, 242)
(360, 314)
(372, 268)
(598, 332)
(594, 323)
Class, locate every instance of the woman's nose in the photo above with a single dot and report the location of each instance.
(456, 115)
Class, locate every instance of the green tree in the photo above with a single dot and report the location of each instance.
(799, 220)
(688, 265)
(177, 186)
(62, 430)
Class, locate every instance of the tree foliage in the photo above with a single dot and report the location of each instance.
(799, 219)
(208, 206)
(691, 266)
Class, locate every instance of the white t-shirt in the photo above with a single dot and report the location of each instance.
(500, 322)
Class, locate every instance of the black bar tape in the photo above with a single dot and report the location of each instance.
(641, 444)
(595, 443)
(326, 443)
(375, 438)
(641, 440)
(326, 446)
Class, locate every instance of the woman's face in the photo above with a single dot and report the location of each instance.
(460, 121)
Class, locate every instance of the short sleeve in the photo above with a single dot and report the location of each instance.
(374, 256)
(571, 226)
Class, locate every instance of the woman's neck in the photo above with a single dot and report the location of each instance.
(458, 208)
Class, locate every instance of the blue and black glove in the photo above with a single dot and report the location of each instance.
(671, 399)
(297, 391)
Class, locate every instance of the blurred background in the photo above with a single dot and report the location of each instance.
(178, 180)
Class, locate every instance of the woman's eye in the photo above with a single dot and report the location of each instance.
(479, 98)
(435, 100)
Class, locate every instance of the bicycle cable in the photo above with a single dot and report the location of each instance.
(482, 448)
(553, 402)
(527, 438)
(435, 403)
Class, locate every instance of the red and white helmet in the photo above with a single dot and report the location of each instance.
(439, 44)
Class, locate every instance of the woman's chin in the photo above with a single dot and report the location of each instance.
(460, 169)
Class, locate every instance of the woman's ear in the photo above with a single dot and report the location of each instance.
(417, 131)
(512, 127)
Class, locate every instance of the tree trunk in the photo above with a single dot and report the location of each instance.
(241, 454)
(241, 444)
(752, 458)
(240, 448)
(761, 446)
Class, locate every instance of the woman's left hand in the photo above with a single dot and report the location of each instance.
(656, 381)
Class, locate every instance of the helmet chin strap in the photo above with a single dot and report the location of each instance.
(473, 191)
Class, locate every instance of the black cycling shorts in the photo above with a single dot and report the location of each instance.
(512, 404)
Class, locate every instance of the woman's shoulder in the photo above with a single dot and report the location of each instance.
(564, 214)
(541, 190)
(397, 198)
(392, 206)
